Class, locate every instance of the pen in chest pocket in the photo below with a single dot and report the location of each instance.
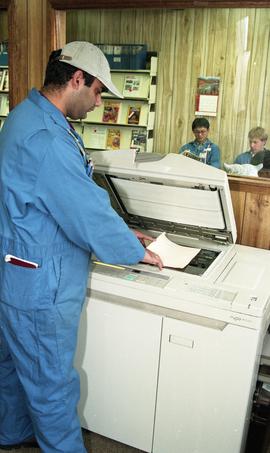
(15, 260)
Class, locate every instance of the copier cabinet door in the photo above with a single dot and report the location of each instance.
(205, 386)
(117, 357)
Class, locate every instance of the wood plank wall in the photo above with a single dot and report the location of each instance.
(3, 26)
(230, 43)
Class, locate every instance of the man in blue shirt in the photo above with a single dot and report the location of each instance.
(202, 148)
(257, 140)
(53, 216)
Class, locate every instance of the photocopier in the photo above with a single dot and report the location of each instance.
(169, 359)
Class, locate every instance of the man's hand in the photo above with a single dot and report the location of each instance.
(143, 237)
(152, 258)
(149, 257)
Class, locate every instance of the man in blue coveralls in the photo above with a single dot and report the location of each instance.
(52, 217)
(202, 148)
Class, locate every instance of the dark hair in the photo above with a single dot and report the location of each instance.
(200, 122)
(59, 73)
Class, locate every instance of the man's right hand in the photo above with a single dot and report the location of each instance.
(152, 258)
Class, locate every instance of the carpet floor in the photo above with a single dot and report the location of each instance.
(93, 444)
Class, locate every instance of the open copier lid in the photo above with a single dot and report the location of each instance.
(170, 193)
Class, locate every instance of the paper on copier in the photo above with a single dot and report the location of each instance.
(171, 254)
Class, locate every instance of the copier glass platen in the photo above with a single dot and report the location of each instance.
(169, 359)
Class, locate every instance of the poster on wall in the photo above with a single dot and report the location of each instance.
(207, 94)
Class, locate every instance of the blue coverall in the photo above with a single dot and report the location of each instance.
(51, 213)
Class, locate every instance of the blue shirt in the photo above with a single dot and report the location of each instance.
(243, 158)
(208, 152)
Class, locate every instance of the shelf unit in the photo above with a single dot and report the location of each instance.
(4, 91)
(128, 122)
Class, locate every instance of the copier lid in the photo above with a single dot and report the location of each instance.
(171, 193)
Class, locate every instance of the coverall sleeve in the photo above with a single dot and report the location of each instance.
(81, 208)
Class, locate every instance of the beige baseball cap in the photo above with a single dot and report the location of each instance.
(88, 57)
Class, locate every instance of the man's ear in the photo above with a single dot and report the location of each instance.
(77, 80)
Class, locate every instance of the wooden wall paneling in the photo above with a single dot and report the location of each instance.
(219, 25)
(242, 77)
(56, 29)
(32, 30)
(230, 95)
(140, 26)
(151, 30)
(149, 25)
(143, 21)
(110, 30)
(251, 204)
(167, 80)
(37, 52)
(89, 26)
(266, 99)
(18, 50)
(3, 25)
(198, 63)
(259, 63)
(72, 18)
(128, 27)
(183, 79)
(244, 44)
(256, 226)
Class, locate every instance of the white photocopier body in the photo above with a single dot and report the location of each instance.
(169, 359)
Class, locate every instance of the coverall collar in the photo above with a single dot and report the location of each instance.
(41, 101)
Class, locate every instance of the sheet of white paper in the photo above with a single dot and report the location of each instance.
(172, 255)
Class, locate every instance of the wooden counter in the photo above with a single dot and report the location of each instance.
(251, 204)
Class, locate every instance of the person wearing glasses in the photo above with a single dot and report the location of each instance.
(53, 216)
(202, 148)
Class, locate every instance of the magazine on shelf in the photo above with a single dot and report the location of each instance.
(2, 78)
(5, 86)
(4, 104)
(113, 139)
(132, 85)
(111, 112)
(133, 116)
(94, 137)
(138, 139)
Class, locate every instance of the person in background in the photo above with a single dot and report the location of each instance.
(202, 148)
(265, 171)
(257, 141)
(53, 216)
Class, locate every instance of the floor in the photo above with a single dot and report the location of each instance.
(93, 444)
(99, 444)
